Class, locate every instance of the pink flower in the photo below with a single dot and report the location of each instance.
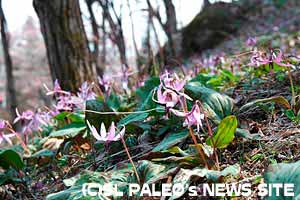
(194, 117)
(39, 119)
(56, 90)
(173, 82)
(261, 58)
(3, 136)
(27, 115)
(85, 92)
(251, 41)
(105, 136)
(65, 103)
(168, 98)
(105, 84)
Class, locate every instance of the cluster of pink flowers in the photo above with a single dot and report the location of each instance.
(173, 94)
(33, 121)
(262, 58)
(66, 101)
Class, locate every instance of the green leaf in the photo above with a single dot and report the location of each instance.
(284, 173)
(147, 171)
(61, 116)
(43, 152)
(135, 117)
(217, 105)
(171, 140)
(70, 130)
(113, 102)
(71, 193)
(76, 117)
(9, 176)
(190, 161)
(176, 150)
(277, 99)
(290, 114)
(225, 133)
(118, 177)
(149, 85)
(10, 158)
(144, 94)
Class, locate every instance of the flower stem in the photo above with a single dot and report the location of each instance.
(20, 139)
(292, 88)
(197, 147)
(210, 133)
(130, 159)
(184, 105)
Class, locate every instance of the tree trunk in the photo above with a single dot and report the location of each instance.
(170, 26)
(137, 54)
(116, 30)
(104, 34)
(67, 46)
(96, 38)
(10, 85)
(214, 24)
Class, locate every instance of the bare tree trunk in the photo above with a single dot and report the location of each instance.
(148, 46)
(104, 34)
(116, 29)
(96, 38)
(138, 57)
(170, 26)
(10, 85)
(67, 46)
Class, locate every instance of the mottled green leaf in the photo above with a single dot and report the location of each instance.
(225, 133)
(216, 104)
(171, 140)
(284, 173)
(70, 130)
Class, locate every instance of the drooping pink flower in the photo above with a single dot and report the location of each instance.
(85, 92)
(105, 136)
(167, 97)
(194, 117)
(172, 81)
(105, 83)
(251, 41)
(39, 119)
(3, 136)
(26, 115)
(56, 90)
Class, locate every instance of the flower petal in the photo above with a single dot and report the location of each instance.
(94, 131)
(120, 135)
(103, 132)
(112, 132)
